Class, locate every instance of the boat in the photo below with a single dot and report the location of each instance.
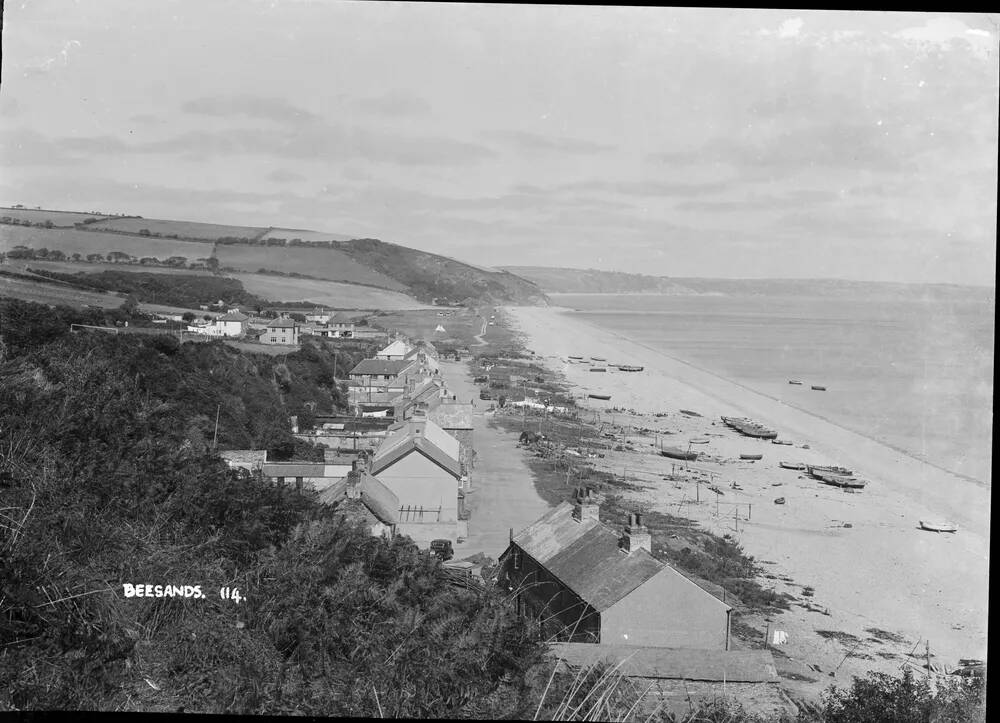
(749, 428)
(574, 356)
(751, 456)
(780, 441)
(629, 368)
(675, 453)
(792, 465)
(814, 469)
(598, 369)
(597, 358)
(699, 441)
(938, 526)
(690, 413)
(605, 397)
(794, 381)
(839, 480)
(780, 501)
(818, 388)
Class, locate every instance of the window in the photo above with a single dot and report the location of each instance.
(517, 559)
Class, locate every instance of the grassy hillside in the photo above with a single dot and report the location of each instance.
(318, 263)
(330, 293)
(64, 219)
(72, 240)
(180, 229)
(592, 281)
(304, 235)
(430, 276)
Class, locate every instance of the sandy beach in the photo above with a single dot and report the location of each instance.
(863, 553)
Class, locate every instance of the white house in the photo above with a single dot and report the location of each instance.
(396, 351)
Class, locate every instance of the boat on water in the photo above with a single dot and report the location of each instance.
(938, 526)
(792, 465)
(749, 428)
(751, 456)
(604, 397)
(629, 368)
(675, 453)
(818, 387)
(794, 381)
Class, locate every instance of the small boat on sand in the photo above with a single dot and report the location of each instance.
(780, 441)
(780, 501)
(792, 465)
(604, 397)
(794, 381)
(628, 368)
(598, 369)
(749, 428)
(839, 480)
(814, 469)
(938, 526)
(690, 413)
(575, 357)
(818, 388)
(751, 456)
(597, 358)
(675, 453)
(699, 441)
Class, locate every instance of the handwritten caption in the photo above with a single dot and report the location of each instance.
(194, 592)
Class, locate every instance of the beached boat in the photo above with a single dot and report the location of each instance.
(749, 428)
(780, 501)
(814, 469)
(938, 526)
(598, 369)
(792, 465)
(794, 381)
(818, 388)
(628, 368)
(597, 358)
(751, 456)
(604, 397)
(839, 480)
(574, 356)
(699, 441)
(690, 413)
(780, 441)
(675, 453)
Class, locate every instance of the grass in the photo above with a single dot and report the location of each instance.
(318, 263)
(324, 293)
(292, 233)
(54, 294)
(71, 241)
(182, 229)
(58, 218)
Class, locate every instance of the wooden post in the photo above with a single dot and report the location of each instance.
(736, 517)
(749, 510)
(928, 649)
(767, 634)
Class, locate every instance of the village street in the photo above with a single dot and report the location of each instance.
(502, 486)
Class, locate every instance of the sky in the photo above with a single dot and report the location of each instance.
(667, 141)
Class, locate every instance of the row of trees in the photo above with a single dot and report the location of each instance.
(114, 257)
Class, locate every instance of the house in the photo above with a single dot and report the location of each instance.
(251, 460)
(318, 316)
(423, 396)
(418, 461)
(282, 331)
(396, 351)
(456, 419)
(361, 497)
(342, 325)
(676, 680)
(380, 380)
(426, 356)
(593, 584)
(231, 324)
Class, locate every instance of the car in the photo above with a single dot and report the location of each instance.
(485, 395)
(442, 549)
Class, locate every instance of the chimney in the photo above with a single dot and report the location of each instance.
(636, 535)
(354, 482)
(586, 506)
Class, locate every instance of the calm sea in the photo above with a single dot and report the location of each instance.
(917, 375)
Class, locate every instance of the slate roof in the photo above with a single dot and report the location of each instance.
(731, 666)
(426, 437)
(283, 324)
(452, 415)
(396, 348)
(381, 366)
(233, 316)
(293, 469)
(586, 557)
(378, 499)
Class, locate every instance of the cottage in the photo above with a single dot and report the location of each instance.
(282, 331)
(426, 356)
(231, 324)
(456, 419)
(396, 351)
(251, 460)
(594, 585)
(359, 496)
(306, 475)
(418, 461)
(380, 380)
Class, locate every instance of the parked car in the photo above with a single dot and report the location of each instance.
(442, 549)
(485, 395)
(481, 380)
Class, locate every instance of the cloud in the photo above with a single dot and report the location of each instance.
(280, 175)
(535, 142)
(790, 28)
(395, 104)
(249, 106)
(946, 31)
(764, 202)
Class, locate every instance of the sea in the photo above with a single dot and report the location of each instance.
(913, 373)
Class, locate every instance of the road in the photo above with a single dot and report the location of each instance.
(503, 489)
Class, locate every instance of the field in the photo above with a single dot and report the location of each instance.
(329, 264)
(460, 328)
(328, 293)
(72, 241)
(183, 229)
(290, 233)
(58, 218)
(55, 294)
(76, 267)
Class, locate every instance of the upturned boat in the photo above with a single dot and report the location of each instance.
(815, 469)
(676, 453)
(751, 457)
(792, 465)
(629, 368)
(938, 526)
(598, 369)
(603, 397)
(818, 387)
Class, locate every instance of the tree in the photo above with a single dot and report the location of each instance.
(188, 316)
(212, 263)
(144, 232)
(131, 305)
(76, 256)
(95, 258)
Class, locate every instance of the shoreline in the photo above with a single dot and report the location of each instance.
(878, 570)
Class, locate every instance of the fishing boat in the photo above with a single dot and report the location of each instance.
(675, 453)
(794, 381)
(629, 368)
(690, 413)
(751, 456)
(749, 428)
(604, 397)
(938, 526)
(699, 441)
(792, 465)
(574, 356)
(598, 369)
(814, 469)
(780, 441)
(839, 480)
(597, 358)
(818, 388)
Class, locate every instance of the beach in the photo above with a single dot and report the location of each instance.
(863, 554)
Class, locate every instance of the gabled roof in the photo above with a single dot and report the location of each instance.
(452, 415)
(418, 435)
(233, 316)
(293, 469)
(382, 366)
(586, 556)
(378, 499)
(283, 324)
(731, 666)
(397, 348)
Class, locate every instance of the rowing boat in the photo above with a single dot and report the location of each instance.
(794, 381)
(792, 465)
(604, 397)
(675, 453)
(938, 526)
(818, 388)
(751, 456)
